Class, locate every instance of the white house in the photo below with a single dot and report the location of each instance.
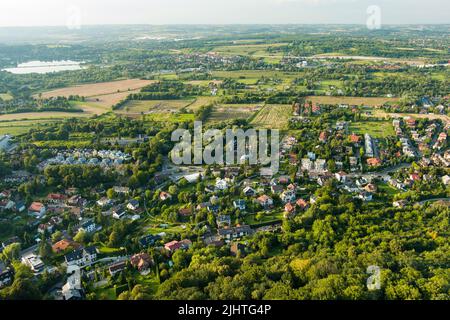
(288, 196)
(81, 257)
(221, 184)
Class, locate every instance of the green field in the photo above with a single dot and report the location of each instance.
(253, 50)
(6, 96)
(377, 129)
(273, 116)
(20, 127)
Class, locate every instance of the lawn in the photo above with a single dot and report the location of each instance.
(377, 129)
(274, 216)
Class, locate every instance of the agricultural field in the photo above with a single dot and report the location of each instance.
(137, 108)
(226, 112)
(20, 127)
(100, 97)
(377, 129)
(273, 116)
(42, 115)
(368, 101)
(254, 50)
(98, 89)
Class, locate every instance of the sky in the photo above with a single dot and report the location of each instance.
(97, 12)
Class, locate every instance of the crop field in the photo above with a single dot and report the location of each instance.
(20, 127)
(254, 50)
(377, 129)
(98, 89)
(137, 108)
(273, 116)
(41, 115)
(200, 102)
(368, 101)
(226, 112)
(170, 117)
(251, 76)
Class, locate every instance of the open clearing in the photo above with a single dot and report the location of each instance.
(377, 129)
(100, 97)
(273, 116)
(137, 108)
(19, 127)
(42, 115)
(255, 50)
(383, 114)
(368, 101)
(6, 96)
(98, 89)
(226, 112)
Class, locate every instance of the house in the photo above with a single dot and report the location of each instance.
(354, 138)
(239, 204)
(149, 240)
(185, 211)
(20, 206)
(302, 204)
(277, 189)
(6, 276)
(37, 210)
(283, 180)
(117, 267)
(72, 290)
(7, 204)
(371, 188)
(288, 196)
(141, 261)
(249, 191)
(34, 262)
(323, 137)
(88, 226)
(175, 245)
(45, 227)
(77, 200)
(163, 196)
(237, 249)
(213, 208)
(56, 198)
(203, 205)
(289, 210)
(221, 184)
(399, 203)
(81, 257)
(234, 233)
(341, 176)
(104, 202)
(374, 162)
(119, 212)
(223, 220)
(365, 196)
(133, 205)
(265, 201)
(63, 245)
(121, 190)
(446, 180)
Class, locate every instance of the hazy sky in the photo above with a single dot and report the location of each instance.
(59, 12)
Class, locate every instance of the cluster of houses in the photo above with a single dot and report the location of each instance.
(103, 158)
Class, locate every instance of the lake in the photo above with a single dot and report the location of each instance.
(44, 67)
